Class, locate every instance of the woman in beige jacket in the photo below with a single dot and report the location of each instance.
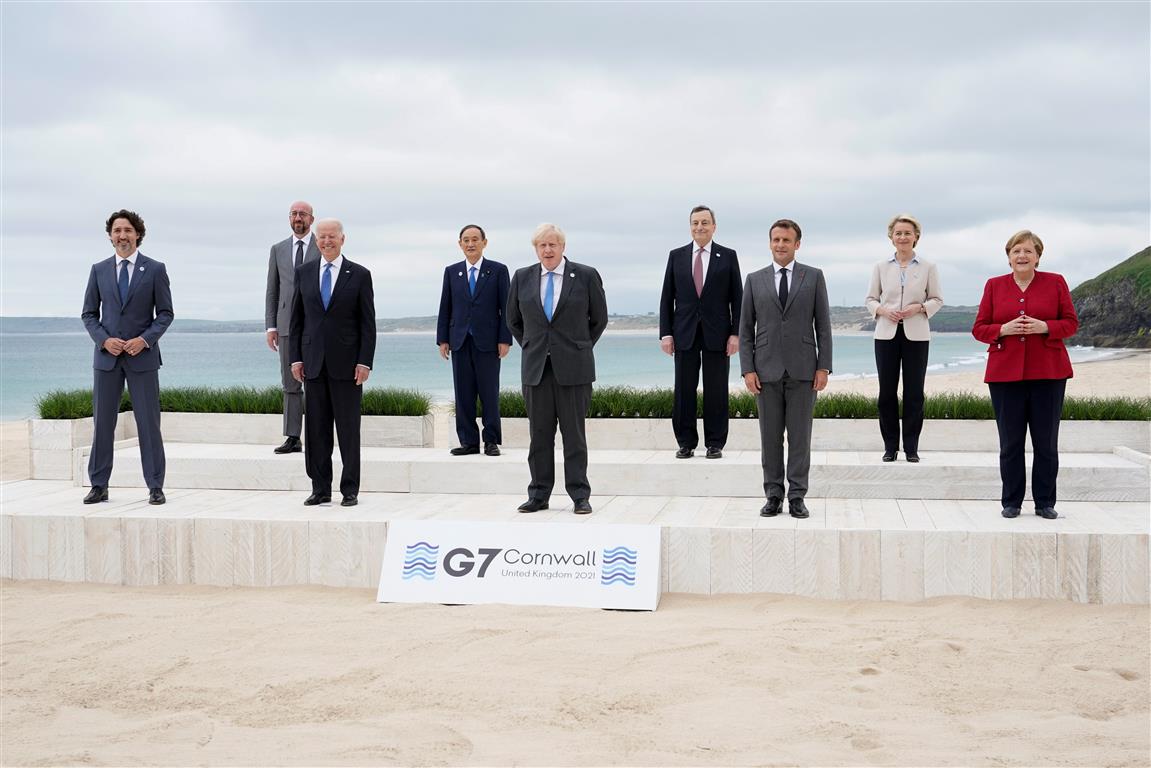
(904, 293)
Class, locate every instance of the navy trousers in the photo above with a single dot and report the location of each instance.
(476, 374)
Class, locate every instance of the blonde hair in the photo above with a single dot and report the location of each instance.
(543, 230)
(1021, 236)
(909, 219)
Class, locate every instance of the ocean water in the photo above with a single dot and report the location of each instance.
(32, 364)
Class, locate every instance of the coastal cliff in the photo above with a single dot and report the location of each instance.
(1115, 307)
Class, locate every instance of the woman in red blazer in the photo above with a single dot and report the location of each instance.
(1024, 317)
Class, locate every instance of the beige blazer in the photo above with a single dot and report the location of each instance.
(921, 286)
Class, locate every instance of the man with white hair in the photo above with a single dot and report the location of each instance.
(556, 311)
(332, 343)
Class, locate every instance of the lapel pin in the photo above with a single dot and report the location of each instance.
(572, 274)
(461, 274)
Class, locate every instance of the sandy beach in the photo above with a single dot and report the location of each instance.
(309, 676)
(96, 675)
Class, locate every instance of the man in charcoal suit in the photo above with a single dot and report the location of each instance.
(471, 331)
(785, 358)
(331, 344)
(556, 311)
(699, 326)
(285, 257)
(127, 308)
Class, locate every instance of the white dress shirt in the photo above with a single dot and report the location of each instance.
(706, 257)
(337, 265)
(131, 265)
(779, 275)
(557, 282)
(478, 266)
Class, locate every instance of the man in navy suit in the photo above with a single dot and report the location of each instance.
(699, 326)
(331, 343)
(127, 308)
(471, 331)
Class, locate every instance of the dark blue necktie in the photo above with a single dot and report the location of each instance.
(326, 285)
(123, 281)
(299, 254)
(550, 296)
(472, 281)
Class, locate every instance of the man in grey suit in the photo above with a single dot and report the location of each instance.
(127, 308)
(285, 257)
(556, 311)
(785, 358)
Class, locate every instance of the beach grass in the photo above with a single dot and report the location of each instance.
(77, 403)
(633, 403)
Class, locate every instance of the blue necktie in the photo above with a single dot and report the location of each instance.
(550, 296)
(472, 281)
(123, 281)
(326, 285)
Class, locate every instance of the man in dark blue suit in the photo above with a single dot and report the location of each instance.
(127, 308)
(471, 331)
(331, 344)
(699, 325)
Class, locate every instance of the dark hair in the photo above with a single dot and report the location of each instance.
(483, 236)
(133, 219)
(700, 209)
(788, 224)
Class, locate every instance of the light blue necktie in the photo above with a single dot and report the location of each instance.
(550, 296)
(123, 281)
(326, 285)
(472, 281)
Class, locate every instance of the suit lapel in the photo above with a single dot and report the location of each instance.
(569, 278)
(771, 288)
(341, 282)
(713, 266)
(482, 276)
(138, 273)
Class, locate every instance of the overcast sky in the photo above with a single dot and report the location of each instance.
(612, 120)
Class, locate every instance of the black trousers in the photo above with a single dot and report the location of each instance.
(476, 373)
(911, 356)
(1022, 406)
(549, 403)
(328, 400)
(716, 367)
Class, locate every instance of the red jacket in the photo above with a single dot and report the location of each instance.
(1019, 358)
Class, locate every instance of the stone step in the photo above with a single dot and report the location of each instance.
(838, 474)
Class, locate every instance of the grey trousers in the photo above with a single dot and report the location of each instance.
(788, 405)
(293, 394)
(547, 403)
(107, 389)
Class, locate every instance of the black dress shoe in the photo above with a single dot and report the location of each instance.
(1048, 513)
(797, 509)
(685, 453)
(97, 494)
(465, 450)
(318, 498)
(291, 445)
(582, 507)
(533, 505)
(156, 496)
(1010, 512)
(912, 457)
(889, 455)
(772, 508)
(349, 501)
(491, 449)
(714, 453)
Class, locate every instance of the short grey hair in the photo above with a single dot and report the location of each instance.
(543, 230)
(339, 224)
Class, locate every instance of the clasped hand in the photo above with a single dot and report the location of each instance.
(1023, 325)
(133, 347)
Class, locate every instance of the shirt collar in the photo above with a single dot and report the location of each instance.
(914, 258)
(306, 240)
(775, 265)
(337, 263)
(559, 270)
(696, 246)
(479, 265)
(131, 259)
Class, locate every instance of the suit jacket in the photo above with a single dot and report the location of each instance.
(341, 337)
(1019, 358)
(282, 282)
(578, 320)
(482, 314)
(681, 312)
(147, 312)
(921, 286)
(795, 339)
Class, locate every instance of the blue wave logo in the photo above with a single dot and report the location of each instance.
(618, 567)
(420, 561)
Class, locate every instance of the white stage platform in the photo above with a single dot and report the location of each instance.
(905, 549)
